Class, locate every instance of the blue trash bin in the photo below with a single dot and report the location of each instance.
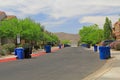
(95, 48)
(60, 46)
(84, 45)
(20, 53)
(102, 52)
(108, 52)
(48, 49)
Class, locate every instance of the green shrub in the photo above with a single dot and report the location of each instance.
(65, 42)
(9, 47)
(26, 45)
(3, 52)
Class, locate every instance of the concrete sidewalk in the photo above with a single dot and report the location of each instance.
(110, 71)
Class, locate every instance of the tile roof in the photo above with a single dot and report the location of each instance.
(10, 17)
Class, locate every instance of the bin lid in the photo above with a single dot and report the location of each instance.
(19, 48)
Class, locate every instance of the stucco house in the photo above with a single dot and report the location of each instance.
(116, 30)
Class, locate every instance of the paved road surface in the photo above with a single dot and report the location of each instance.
(66, 64)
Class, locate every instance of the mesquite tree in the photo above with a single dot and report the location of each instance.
(27, 28)
(91, 34)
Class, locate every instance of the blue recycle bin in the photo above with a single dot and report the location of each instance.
(104, 52)
(95, 48)
(60, 46)
(20, 53)
(48, 49)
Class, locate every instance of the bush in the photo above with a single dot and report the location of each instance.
(3, 52)
(9, 47)
(26, 45)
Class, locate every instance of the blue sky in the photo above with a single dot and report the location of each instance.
(64, 15)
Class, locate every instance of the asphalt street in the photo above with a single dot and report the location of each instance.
(72, 63)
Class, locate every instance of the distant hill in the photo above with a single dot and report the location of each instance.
(74, 38)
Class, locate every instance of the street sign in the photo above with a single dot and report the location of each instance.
(18, 38)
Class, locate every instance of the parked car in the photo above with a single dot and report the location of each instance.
(67, 45)
(51, 43)
(107, 42)
(85, 45)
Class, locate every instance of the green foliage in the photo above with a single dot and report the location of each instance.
(8, 28)
(54, 38)
(91, 34)
(65, 42)
(50, 37)
(27, 28)
(3, 52)
(6, 49)
(107, 29)
(26, 45)
(30, 29)
(10, 47)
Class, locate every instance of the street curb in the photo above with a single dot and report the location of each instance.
(40, 53)
(8, 59)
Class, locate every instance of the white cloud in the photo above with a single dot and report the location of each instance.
(59, 11)
(59, 8)
(100, 20)
(54, 23)
(26, 7)
(70, 8)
